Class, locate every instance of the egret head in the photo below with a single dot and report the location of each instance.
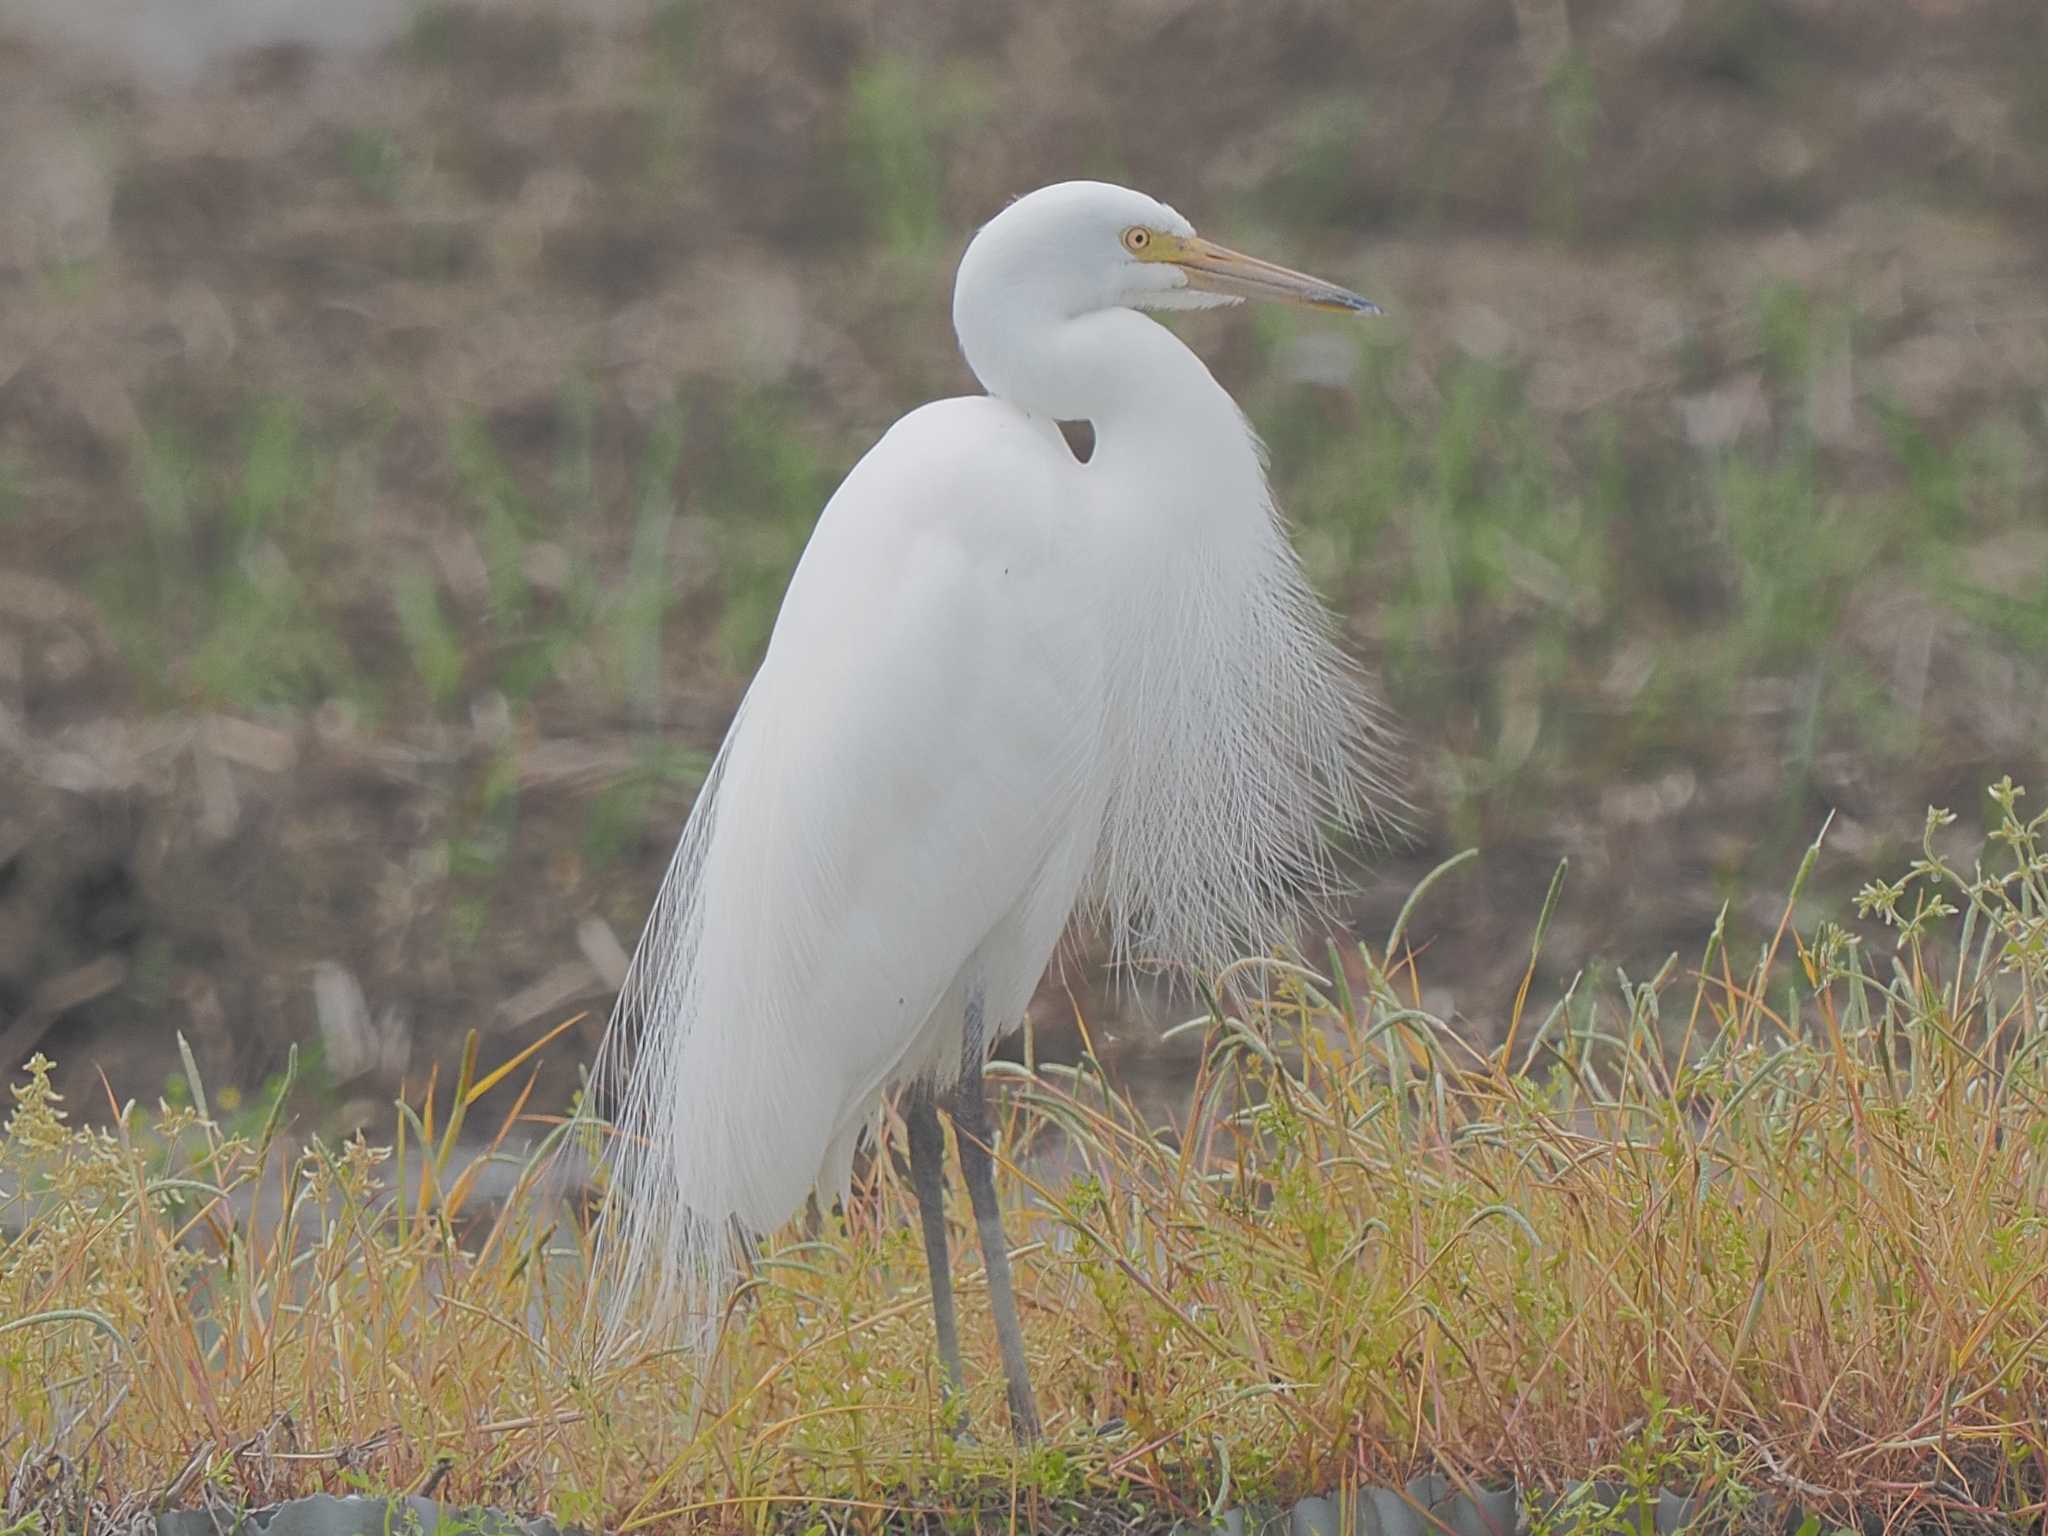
(1081, 246)
(1082, 250)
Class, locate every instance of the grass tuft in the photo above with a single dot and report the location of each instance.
(1780, 1228)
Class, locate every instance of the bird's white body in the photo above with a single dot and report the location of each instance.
(916, 689)
(1003, 685)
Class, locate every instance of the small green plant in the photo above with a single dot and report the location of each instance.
(434, 643)
(1795, 568)
(71, 280)
(1315, 182)
(266, 645)
(2007, 903)
(671, 92)
(483, 840)
(1572, 109)
(1785, 328)
(575, 485)
(505, 522)
(529, 629)
(617, 815)
(376, 162)
(893, 158)
(632, 619)
(216, 603)
(278, 473)
(434, 33)
(167, 477)
(765, 487)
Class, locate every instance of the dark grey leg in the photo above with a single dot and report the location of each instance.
(928, 1178)
(970, 1119)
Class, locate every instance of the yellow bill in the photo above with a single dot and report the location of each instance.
(1218, 269)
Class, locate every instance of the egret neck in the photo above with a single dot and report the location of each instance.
(1148, 398)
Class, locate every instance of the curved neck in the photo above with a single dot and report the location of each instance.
(1133, 379)
(1164, 427)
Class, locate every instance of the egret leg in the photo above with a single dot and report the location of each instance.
(928, 1178)
(970, 1119)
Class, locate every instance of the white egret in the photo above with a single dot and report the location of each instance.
(1004, 685)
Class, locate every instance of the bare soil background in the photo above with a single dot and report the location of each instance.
(409, 415)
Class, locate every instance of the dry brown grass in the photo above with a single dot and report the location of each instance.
(1779, 1231)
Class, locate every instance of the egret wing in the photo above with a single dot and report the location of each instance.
(910, 767)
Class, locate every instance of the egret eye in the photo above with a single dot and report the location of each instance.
(1137, 238)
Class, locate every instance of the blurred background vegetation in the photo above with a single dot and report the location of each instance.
(409, 415)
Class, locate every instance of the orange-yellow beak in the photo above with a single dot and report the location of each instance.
(1218, 269)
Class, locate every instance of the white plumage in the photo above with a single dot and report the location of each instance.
(1003, 686)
